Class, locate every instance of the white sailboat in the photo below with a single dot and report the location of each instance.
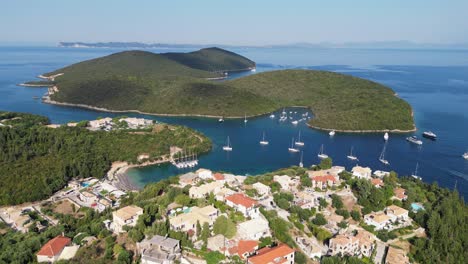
(299, 142)
(263, 141)
(228, 146)
(321, 154)
(272, 116)
(292, 149)
(382, 156)
(300, 163)
(385, 137)
(351, 156)
(415, 174)
(245, 118)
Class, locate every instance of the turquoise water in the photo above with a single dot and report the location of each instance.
(434, 82)
(416, 207)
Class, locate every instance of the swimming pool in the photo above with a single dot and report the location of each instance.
(416, 207)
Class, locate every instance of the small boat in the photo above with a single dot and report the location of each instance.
(263, 141)
(272, 116)
(228, 146)
(245, 118)
(385, 137)
(414, 140)
(299, 142)
(295, 122)
(332, 133)
(300, 163)
(221, 120)
(351, 156)
(429, 135)
(292, 148)
(465, 155)
(253, 70)
(321, 154)
(382, 156)
(284, 112)
(415, 174)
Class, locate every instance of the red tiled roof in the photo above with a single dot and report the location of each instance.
(246, 246)
(271, 255)
(324, 178)
(219, 176)
(54, 246)
(241, 199)
(376, 181)
(400, 193)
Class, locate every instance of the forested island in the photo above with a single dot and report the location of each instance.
(182, 84)
(36, 160)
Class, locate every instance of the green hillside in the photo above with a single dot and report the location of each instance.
(338, 101)
(178, 84)
(212, 59)
(36, 161)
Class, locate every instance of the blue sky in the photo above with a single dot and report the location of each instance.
(259, 22)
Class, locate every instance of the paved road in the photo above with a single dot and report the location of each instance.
(378, 259)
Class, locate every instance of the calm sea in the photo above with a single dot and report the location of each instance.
(434, 82)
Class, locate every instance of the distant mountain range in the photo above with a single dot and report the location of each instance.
(366, 45)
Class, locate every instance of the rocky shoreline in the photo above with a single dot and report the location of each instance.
(47, 100)
(364, 131)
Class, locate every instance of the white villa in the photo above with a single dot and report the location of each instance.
(202, 191)
(204, 174)
(243, 204)
(127, 216)
(188, 221)
(362, 172)
(253, 229)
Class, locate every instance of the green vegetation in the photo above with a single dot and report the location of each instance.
(212, 59)
(176, 83)
(36, 161)
(225, 227)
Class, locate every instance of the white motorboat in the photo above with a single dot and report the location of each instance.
(221, 120)
(351, 156)
(299, 142)
(429, 135)
(414, 140)
(228, 146)
(385, 137)
(382, 156)
(272, 116)
(465, 155)
(263, 141)
(321, 154)
(415, 174)
(332, 133)
(292, 148)
(245, 118)
(295, 122)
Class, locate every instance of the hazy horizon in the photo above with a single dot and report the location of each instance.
(246, 23)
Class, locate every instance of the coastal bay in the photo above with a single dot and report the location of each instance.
(435, 89)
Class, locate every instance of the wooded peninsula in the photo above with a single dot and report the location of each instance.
(36, 160)
(184, 84)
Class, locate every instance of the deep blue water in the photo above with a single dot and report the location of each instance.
(434, 82)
